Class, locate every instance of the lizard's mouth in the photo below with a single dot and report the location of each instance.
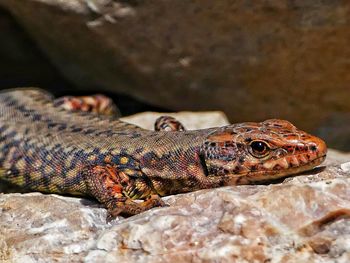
(252, 177)
(274, 174)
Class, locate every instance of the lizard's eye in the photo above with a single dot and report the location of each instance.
(259, 149)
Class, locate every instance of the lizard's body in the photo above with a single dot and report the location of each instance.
(47, 148)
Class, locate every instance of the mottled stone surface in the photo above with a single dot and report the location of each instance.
(191, 120)
(335, 157)
(45, 228)
(251, 59)
(303, 219)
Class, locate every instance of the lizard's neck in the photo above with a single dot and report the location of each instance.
(178, 168)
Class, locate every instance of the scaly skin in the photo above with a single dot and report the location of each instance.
(44, 147)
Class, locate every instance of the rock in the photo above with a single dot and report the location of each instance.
(251, 59)
(22, 62)
(304, 219)
(336, 130)
(191, 120)
(336, 157)
(48, 227)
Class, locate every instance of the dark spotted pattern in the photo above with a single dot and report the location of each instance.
(45, 147)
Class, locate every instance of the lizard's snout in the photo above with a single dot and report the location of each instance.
(309, 153)
(317, 147)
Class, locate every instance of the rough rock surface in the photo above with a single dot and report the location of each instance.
(252, 59)
(335, 157)
(304, 219)
(191, 120)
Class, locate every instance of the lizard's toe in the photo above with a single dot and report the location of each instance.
(156, 201)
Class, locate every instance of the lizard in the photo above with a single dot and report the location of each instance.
(54, 146)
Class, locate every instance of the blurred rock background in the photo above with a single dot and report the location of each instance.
(253, 60)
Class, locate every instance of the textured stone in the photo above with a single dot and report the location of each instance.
(45, 228)
(191, 120)
(336, 157)
(251, 59)
(304, 219)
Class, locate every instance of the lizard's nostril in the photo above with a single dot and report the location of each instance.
(318, 146)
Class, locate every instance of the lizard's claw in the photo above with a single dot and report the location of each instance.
(156, 201)
(113, 213)
(129, 207)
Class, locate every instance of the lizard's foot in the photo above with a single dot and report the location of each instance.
(156, 201)
(129, 207)
(115, 188)
(167, 123)
(96, 103)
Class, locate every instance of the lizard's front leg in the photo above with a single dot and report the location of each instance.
(116, 190)
(95, 103)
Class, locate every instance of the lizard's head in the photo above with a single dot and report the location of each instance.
(253, 152)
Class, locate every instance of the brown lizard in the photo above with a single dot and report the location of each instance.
(48, 146)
